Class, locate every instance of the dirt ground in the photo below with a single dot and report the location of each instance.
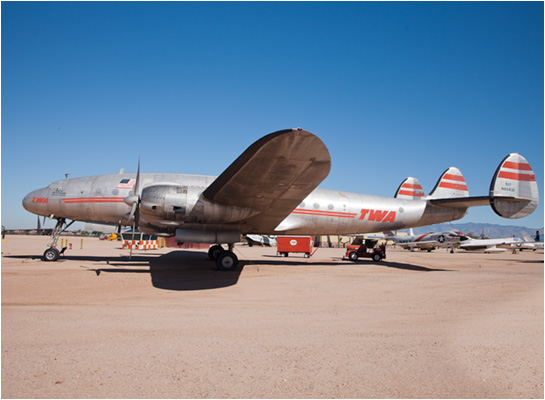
(167, 324)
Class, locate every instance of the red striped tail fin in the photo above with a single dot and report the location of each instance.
(450, 184)
(410, 189)
(513, 191)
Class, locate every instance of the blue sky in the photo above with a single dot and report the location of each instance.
(393, 90)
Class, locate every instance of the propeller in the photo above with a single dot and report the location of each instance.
(134, 201)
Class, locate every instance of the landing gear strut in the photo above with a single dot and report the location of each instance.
(52, 254)
(225, 260)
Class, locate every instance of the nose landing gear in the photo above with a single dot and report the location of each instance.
(52, 254)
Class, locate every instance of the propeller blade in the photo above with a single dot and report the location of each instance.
(137, 184)
(137, 192)
(135, 206)
(133, 200)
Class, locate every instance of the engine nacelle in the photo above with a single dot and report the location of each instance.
(174, 205)
(164, 202)
(211, 237)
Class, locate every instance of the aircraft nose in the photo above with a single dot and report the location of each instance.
(34, 201)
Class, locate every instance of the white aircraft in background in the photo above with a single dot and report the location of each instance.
(535, 243)
(492, 245)
(270, 189)
(261, 240)
(428, 241)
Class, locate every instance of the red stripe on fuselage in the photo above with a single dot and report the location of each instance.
(324, 213)
(73, 200)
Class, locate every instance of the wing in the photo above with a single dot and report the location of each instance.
(272, 177)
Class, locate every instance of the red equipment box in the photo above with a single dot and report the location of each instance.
(294, 244)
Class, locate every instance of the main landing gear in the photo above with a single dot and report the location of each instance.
(225, 260)
(52, 254)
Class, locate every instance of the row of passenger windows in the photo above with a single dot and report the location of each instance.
(317, 206)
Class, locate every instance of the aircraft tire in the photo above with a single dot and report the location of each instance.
(377, 257)
(51, 254)
(353, 256)
(214, 251)
(226, 261)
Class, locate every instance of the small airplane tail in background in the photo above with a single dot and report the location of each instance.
(410, 189)
(527, 238)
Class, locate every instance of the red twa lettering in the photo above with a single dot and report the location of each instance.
(363, 213)
(391, 217)
(40, 199)
(378, 215)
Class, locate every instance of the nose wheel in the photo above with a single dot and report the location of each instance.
(51, 254)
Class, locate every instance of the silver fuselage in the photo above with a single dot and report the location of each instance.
(101, 199)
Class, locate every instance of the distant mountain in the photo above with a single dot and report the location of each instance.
(490, 230)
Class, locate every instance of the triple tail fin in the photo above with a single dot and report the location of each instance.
(410, 189)
(451, 184)
(513, 190)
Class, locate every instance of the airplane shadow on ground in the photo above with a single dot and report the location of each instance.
(189, 270)
(177, 270)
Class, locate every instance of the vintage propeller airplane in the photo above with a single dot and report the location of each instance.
(428, 241)
(271, 190)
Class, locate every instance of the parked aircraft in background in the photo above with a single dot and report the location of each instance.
(535, 243)
(270, 189)
(260, 240)
(428, 241)
(494, 245)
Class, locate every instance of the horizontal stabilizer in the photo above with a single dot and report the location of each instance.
(514, 191)
(410, 189)
(450, 185)
(462, 202)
